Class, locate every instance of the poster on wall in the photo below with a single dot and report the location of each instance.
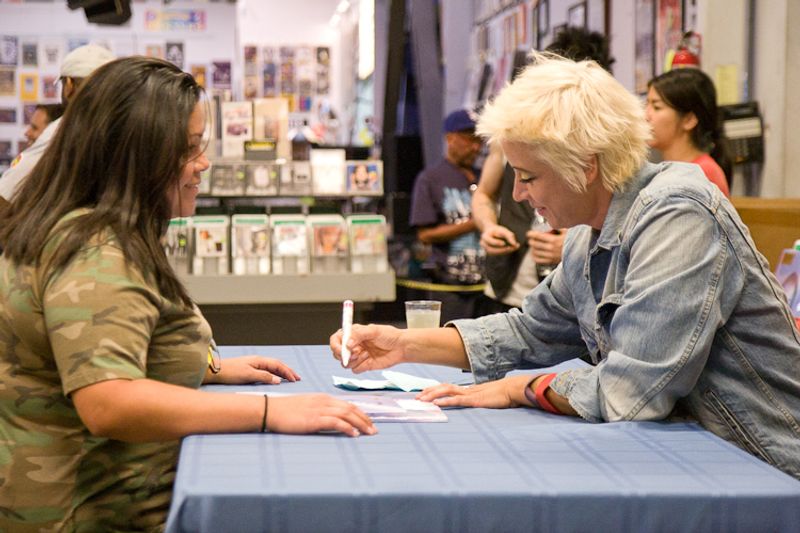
(29, 87)
(8, 115)
(643, 45)
(30, 54)
(49, 87)
(50, 54)
(199, 74)
(27, 112)
(669, 29)
(8, 79)
(5, 150)
(323, 69)
(288, 83)
(250, 60)
(174, 53)
(154, 50)
(270, 72)
(166, 20)
(221, 75)
(8, 50)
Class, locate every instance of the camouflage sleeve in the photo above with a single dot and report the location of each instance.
(99, 316)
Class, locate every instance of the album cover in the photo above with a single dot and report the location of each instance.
(251, 248)
(365, 178)
(227, 180)
(327, 171)
(262, 179)
(271, 121)
(289, 244)
(237, 127)
(210, 244)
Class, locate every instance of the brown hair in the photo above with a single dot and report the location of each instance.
(120, 148)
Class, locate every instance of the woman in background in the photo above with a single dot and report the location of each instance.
(101, 348)
(682, 111)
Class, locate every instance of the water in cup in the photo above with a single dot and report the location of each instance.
(423, 313)
(540, 224)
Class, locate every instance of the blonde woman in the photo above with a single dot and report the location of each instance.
(660, 288)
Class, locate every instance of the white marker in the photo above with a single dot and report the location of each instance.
(347, 323)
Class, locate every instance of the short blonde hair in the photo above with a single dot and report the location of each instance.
(568, 111)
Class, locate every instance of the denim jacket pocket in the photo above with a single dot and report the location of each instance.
(737, 431)
(604, 314)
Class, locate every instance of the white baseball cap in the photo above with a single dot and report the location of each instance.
(84, 60)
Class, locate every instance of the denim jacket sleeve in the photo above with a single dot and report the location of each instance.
(646, 309)
(546, 332)
(673, 281)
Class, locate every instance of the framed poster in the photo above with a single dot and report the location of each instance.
(644, 51)
(669, 29)
(576, 15)
(542, 21)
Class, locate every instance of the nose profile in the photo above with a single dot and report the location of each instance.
(520, 192)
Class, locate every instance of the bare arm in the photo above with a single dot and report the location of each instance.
(484, 200)
(144, 410)
(374, 347)
(495, 239)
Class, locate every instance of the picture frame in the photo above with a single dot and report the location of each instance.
(668, 30)
(542, 21)
(576, 15)
(644, 45)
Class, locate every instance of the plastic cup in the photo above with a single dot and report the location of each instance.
(423, 313)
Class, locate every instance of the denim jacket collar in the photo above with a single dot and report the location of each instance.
(620, 206)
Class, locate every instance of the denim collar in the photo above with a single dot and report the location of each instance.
(620, 206)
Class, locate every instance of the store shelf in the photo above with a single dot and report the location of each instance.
(291, 289)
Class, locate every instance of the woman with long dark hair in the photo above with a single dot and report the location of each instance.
(101, 347)
(682, 111)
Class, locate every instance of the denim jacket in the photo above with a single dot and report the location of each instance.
(674, 307)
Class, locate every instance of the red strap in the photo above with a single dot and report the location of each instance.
(541, 399)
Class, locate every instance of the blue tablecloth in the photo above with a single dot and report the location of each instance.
(483, 470)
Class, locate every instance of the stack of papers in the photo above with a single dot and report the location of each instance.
(392, 381)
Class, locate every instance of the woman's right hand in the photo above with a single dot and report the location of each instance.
(372, 347)
(498, 240)
(312, 413)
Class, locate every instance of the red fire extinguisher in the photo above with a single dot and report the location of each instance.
(687, 53)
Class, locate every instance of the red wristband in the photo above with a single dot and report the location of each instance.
(541, 399)
(537, 397)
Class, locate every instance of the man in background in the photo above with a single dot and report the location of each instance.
(77, 65)
(442, 216)
(43, 115)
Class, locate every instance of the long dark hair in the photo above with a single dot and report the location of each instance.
(119, 149)
(690, 90)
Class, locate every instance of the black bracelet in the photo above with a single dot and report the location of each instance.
(264, 420)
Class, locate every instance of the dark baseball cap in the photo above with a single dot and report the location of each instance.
(459, 121)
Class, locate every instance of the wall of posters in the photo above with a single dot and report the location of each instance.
(193, 39)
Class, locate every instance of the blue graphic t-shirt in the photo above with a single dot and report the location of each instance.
(442, 196)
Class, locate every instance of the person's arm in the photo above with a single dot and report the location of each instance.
(374, 347)
(445, 232)
(100, 315)
(495, 239)
(484, 199)
(144, 410)
(681, 283)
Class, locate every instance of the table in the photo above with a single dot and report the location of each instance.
(483, 470)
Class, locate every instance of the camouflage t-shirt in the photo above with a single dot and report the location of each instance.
(95, 320)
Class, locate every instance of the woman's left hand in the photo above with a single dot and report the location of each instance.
(500, 394)
(251, 369)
